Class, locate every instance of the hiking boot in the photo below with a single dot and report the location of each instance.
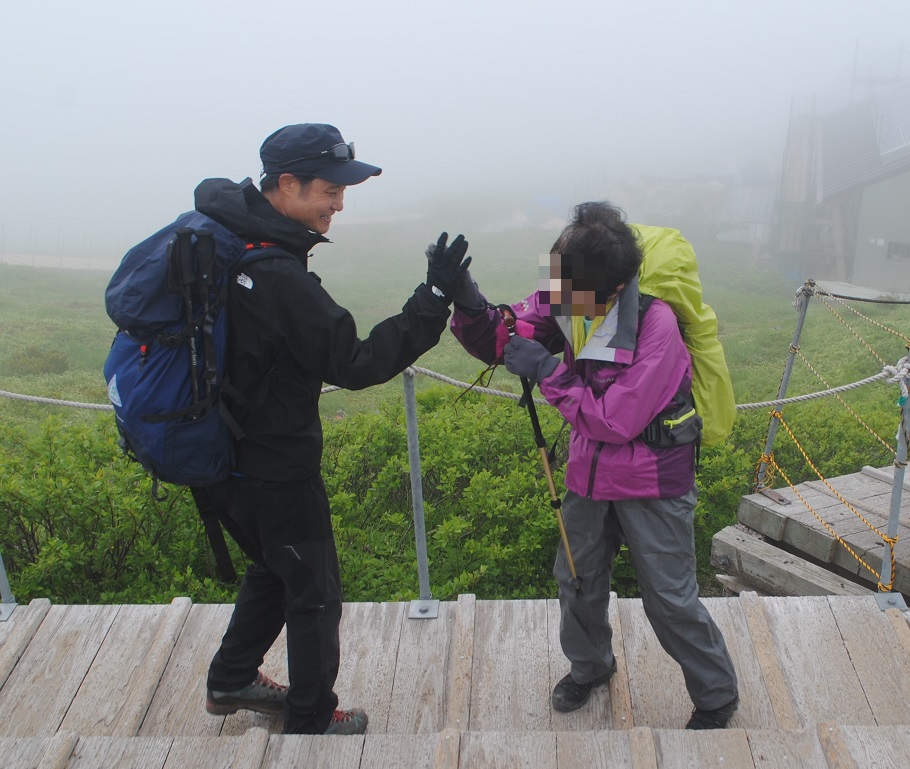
(713, 719)
(568, 695)
(263, 696)
(353, 721)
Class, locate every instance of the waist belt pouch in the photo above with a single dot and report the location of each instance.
(673, 428)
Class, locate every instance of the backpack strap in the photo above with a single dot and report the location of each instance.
(253, 252)
(212, 525)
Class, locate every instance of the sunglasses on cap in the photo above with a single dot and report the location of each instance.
(340, 152)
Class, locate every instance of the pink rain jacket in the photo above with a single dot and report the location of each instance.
(620, 381)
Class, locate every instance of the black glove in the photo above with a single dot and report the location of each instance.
(467, 297)
(530, 359)
(447, 266)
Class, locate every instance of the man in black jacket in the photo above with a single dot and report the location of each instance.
(286, 338)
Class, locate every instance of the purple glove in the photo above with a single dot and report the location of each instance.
(530, 359)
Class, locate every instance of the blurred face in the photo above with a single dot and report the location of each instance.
(565, 294)
(312, 204)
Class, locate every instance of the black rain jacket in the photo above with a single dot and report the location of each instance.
(287, 337)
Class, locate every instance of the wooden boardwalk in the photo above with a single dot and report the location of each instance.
(824, 682)
(794, 550)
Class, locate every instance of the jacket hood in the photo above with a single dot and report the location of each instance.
(244, 210)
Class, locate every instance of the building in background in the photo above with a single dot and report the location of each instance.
(843, 207)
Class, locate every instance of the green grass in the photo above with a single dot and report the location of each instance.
(55, 333)
(55, 337)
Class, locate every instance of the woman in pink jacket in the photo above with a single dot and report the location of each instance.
(625, 370)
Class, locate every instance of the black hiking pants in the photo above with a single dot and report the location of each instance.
(286, 529)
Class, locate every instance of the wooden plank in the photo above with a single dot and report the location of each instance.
(734, 585)
(178, 707)
(870, 546)
(644, 749)
(593, 749)
(834, 745)
(900, 622)
(411, 751)
(308, 751)
(370, 642)
(817, 668)
(246, 752)
(120, 752)
(418, 696)
(808, 535)
(881, 747)
(622, 714)
(760, 514)
(16, 634)
(878, 656)
(511, 672)
(708, 749)
(656, 686)
(610, 707)
(755, 708)
(779, 749)
(58, 751)
(458, 667)
(885, 475)
(765, 653)
(22, 752)
(124, 675)
(42, 686)
(507, 750)
(774, 570)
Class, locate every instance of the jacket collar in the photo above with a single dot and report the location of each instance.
(614, 339)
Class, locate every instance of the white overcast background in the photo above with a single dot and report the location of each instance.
(114, 111)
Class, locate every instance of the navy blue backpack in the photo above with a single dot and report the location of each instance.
(165, 371)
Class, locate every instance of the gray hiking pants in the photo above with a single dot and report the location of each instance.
(661, 540)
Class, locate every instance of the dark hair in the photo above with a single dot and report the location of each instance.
(270, 181)
(598, 250)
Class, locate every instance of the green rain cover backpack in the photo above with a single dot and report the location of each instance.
(669, 271)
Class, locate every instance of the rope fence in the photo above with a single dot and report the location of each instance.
(899, 373)
(890, 374)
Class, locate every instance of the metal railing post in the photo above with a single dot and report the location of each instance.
(7, 601)
(425, 607)
(803, 295)
(893, 600)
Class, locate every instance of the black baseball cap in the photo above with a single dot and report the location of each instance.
(314, 149)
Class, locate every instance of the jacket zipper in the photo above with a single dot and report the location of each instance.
(590, 494)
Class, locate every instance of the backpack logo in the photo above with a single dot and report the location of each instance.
(244, 280)
(112, 393)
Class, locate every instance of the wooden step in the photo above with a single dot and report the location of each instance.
(741, 552)
(826, 746)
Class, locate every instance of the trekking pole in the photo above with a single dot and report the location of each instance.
(182, 277)
(509, 320)
(205, 283)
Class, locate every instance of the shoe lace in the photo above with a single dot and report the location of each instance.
(265, 681)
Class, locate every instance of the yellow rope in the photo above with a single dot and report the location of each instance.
(853, 331)
(847, 405)
(887, 329)
(890, 541)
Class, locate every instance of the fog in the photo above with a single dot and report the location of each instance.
(113, 111)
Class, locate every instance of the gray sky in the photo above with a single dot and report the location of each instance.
(114, 111)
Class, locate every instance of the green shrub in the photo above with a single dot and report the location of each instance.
(78, 523)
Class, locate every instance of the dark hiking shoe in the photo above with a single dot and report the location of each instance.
(569, 695)
(353, 721)
(262, 696)
(713, 719)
